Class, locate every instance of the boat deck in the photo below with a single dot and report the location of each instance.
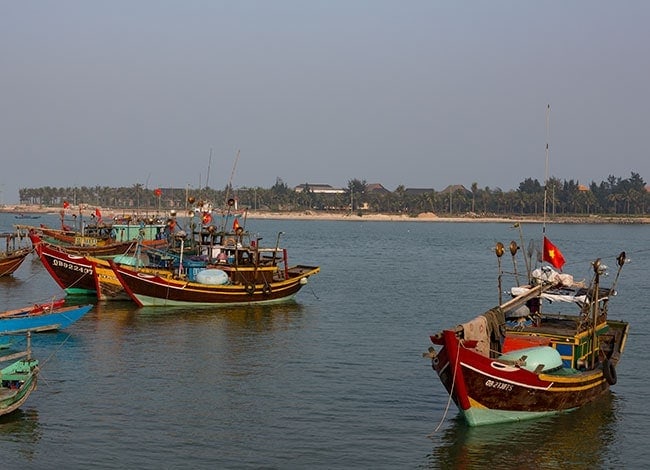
(7, 393)
(550, 327)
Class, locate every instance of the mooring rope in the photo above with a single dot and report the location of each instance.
(311, 288)
(55, 351)
(451, 391)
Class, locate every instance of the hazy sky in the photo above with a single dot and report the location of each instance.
(414, 93)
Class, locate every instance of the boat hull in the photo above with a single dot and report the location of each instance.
(10, 263)
(18, 382)
(487, 391)
(107, 285)
(45, 320)
(73, 273)
(150, 290)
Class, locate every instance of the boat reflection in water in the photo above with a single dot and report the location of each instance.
(576, 439)
(222, 330)
(241, 317)
(22, 427)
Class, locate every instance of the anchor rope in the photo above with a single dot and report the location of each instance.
(451, 391)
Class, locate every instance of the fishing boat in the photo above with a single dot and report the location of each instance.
(154, 290)
(72, 268)
(86, 245)
(18, 379)
(41, 317)
(166, 263)
(87, 275)
(100, 238)
(219, 264)
(231, 269)
(13, 255)
(527, 357)
(72, 272)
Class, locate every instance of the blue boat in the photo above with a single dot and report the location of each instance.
(37, 320)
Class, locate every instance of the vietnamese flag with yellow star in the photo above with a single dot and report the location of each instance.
(552, 254)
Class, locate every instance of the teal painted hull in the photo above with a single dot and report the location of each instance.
(482, 417)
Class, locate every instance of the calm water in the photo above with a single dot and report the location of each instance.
(333, 380)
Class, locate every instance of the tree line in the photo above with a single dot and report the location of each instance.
(615, 195)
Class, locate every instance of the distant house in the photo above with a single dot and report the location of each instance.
(417, 191)
(454, 188)
(583, 188)
(318, 188)
(376, 188)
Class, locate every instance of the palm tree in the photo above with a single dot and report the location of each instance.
(474, 191)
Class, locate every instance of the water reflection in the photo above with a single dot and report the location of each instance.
(579, 439)
(242, 317)
(9, 282)
(21, 429)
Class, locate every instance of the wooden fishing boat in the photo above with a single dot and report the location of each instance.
(526, 358)
(153, 290)
(12, 256)
(164, 263)
(219, 264)
(72, 272)
(84, 275)
(41, 317)
(85, 245)
(231, 269)
(17, 380)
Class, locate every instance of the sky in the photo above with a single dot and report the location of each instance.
(422, 94)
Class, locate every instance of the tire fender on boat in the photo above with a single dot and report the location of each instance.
(266, 290)
(609, 371)
(250, 288)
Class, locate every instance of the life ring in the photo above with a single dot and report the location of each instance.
(250, 288)
(266, 290)
(609, 371)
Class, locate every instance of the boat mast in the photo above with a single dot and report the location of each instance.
(228, 187)
(499, 249)
(207, 178)
(548, 112)
(232, 175)
(596, 310)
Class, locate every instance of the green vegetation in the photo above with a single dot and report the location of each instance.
(612, 196)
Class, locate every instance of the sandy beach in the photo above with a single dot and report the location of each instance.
(108, 213)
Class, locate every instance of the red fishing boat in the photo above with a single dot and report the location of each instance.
(72, 272)
(155, 290)
(527, 357)
(232, 270)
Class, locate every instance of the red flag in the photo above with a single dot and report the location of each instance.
(552, 254)
(157, 192)
(98, 214)
(66, 204)
(206, 219)
(235, 225)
